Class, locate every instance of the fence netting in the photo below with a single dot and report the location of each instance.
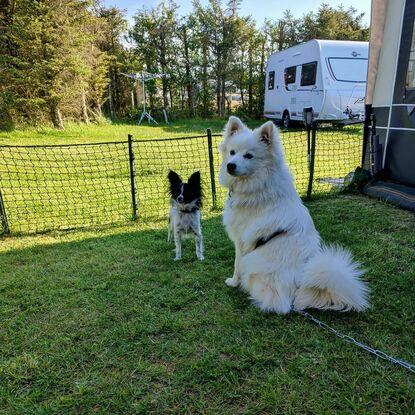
(70, 186)
(64, 187)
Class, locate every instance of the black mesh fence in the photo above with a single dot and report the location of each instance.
(337, 154)
(64, 187)
(71, 186)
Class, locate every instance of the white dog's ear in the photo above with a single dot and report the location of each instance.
(266, 132)
(233, 126)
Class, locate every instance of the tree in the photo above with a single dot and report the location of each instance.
(114, 25)
(62, 59)
(153, 33)
(336, 24)
(52, 61)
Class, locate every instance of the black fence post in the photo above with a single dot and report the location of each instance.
(308, 146)
(211, 167)
(132, 176)
(3, 217)
(312, 159)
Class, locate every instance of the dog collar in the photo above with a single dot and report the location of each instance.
(230, 192)
(198, 204)
(263, 241)
(192, 210)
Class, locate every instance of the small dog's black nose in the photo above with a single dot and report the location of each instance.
(231, 167)
(180, 198)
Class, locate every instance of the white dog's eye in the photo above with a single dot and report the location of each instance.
(248, 156)
(232, 152)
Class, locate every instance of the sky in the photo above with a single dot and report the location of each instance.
(258, 9)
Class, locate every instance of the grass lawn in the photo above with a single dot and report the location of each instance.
(104, 321)
(70, 186)
(112, 131)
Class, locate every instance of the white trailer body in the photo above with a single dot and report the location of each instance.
(327, 75)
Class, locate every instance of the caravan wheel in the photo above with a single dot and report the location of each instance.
(286, 120)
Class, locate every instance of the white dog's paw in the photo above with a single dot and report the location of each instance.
(178, 258)
(232, 282)
(201, 258)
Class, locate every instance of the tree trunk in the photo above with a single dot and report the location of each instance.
(163, 64)
(97, 111)
(250, 81)
(165, 91)
(205, 84)
(218, 103)
(261, 70)
(110, 100)
(6, 120)
(281, 36)
(189, 87)
(242, 95)
(114, 95)
(84, 108)
(223, 97)
(56, 116)
(241, 78)
(171, 97)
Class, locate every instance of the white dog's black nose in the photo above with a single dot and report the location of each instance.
(180, 198)
(231, 167)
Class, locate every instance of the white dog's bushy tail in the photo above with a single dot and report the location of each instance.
(332, 281)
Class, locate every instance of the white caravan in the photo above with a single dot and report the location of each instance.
(327, 75)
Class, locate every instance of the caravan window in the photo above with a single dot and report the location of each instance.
(289, 75)
(348, 69)
(410, 73)
(308, 74)
(271, 79)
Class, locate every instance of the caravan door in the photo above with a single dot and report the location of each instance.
(290, 90)
(308, 93)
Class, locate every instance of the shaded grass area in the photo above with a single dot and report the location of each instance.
(103, 321)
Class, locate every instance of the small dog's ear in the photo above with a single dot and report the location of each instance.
(233, 126)
(174, 178)
(194, 179)
(266, 132)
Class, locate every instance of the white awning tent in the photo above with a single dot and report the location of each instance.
(377, 26)
(390, 97)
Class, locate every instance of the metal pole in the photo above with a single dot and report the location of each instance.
(211, 167)
(366, 134)
(312, 159)
(132, 176)
(144, 92)
(3, 217)
(308, 146)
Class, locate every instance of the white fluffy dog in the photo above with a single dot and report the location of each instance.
(279, 258)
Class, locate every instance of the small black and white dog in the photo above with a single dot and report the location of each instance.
(185, 204)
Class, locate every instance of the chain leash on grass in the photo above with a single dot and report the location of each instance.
(349, 339)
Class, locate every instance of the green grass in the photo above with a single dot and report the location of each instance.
(104, 321)
(112, 131)
(67, 187)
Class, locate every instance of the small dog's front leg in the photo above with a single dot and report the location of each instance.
(170, 230)
(199, 246)
(235, 280)
(178, 242)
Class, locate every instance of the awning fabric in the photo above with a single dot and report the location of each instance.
(377, 25)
